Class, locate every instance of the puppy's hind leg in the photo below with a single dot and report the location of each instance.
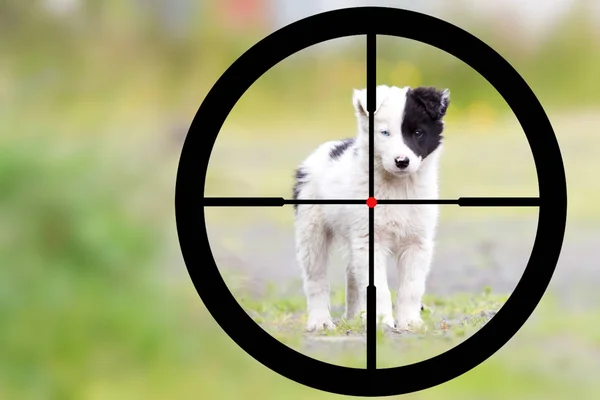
(313, 240)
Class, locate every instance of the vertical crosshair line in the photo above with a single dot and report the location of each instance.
(371, 290)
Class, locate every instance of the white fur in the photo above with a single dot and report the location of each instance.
(403, 232)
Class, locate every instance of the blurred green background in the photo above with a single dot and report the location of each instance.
(96, 97)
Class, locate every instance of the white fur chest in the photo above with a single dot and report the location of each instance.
(396, 222)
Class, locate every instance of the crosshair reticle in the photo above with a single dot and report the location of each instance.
(190, 201)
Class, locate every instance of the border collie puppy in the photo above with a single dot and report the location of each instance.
(407, 145)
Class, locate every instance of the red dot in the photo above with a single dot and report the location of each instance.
(371, 202)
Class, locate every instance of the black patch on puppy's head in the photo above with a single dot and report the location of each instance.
(423, 113)
(435, 102)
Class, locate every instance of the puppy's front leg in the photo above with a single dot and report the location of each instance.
(413, 267)
(357, 280)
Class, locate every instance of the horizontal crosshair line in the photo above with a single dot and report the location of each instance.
(472, 201)
(271, 201)
(461, 201)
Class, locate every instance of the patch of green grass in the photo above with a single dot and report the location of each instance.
(447, 322)
(528, 367)
(346, 326)
(524, 368)
(551, 356)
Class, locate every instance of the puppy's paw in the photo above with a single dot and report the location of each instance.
(410, 324)
(387, 321)
(319, 322)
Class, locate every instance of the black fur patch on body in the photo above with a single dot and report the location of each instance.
(424, 110)
(300, 175)
(340, 148)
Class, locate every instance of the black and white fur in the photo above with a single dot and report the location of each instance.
(408, 143)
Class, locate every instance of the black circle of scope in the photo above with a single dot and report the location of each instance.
(370, 21)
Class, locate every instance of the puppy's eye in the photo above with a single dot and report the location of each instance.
(418, 133)
(385, 133)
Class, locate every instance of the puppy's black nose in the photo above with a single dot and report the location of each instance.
(402, 162)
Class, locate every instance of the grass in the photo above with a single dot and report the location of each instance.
(448, 321)
(538, 363)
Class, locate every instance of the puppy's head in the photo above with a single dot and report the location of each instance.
(408, 125)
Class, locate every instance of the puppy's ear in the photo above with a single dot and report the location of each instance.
(434, 101)
(359, 100)
(445, 101)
